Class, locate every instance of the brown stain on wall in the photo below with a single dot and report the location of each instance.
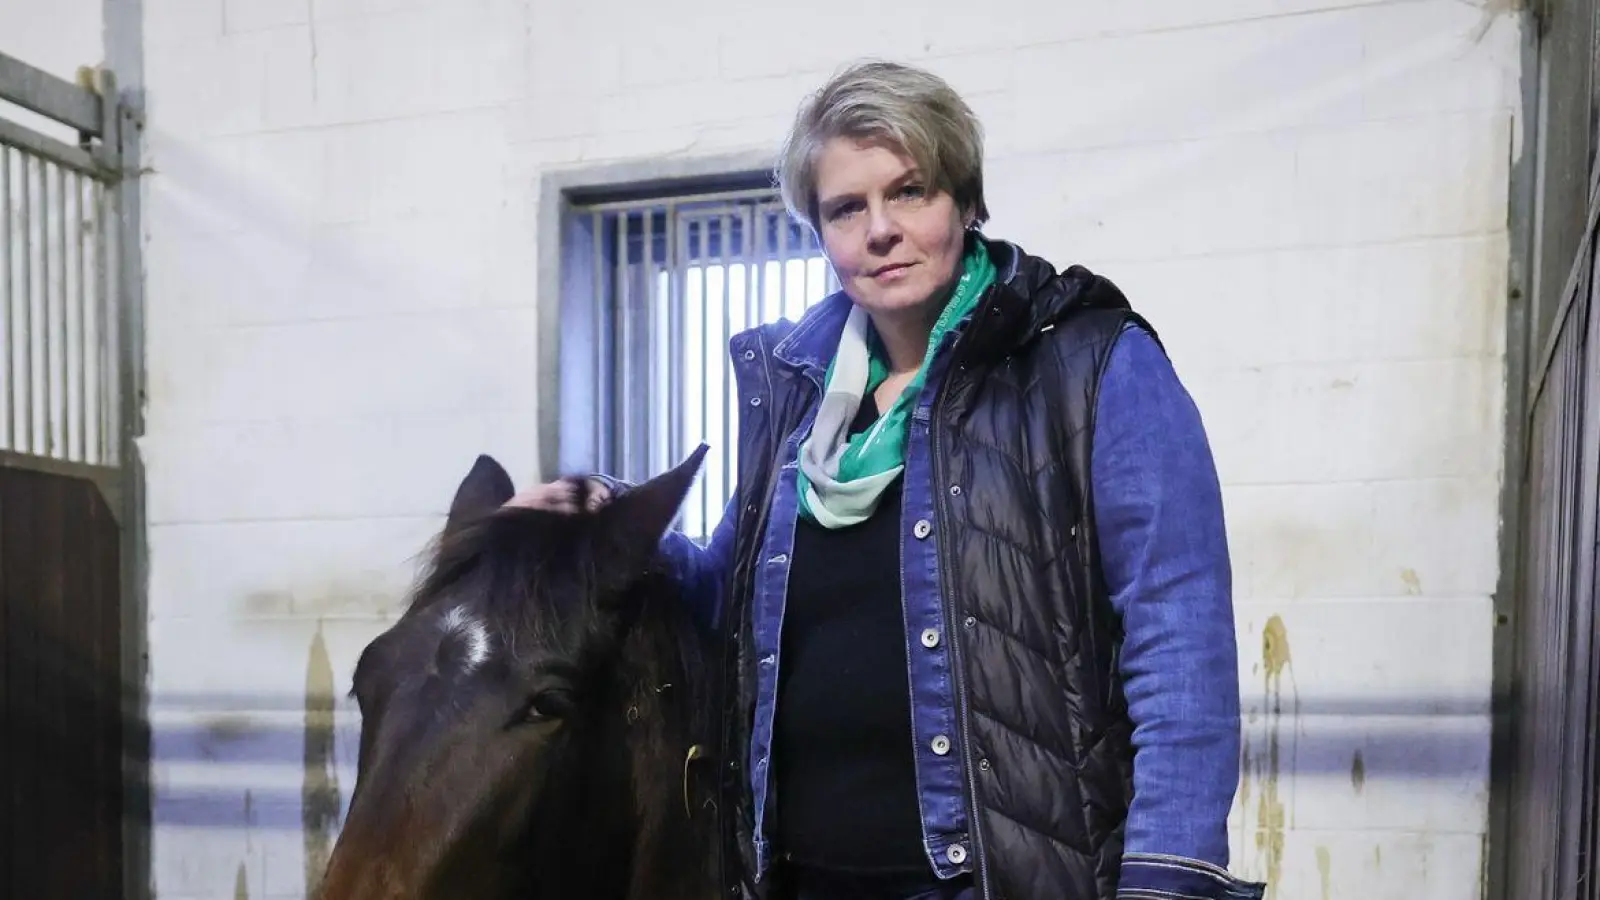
(1411, 581)
(268, 603)
(1358, 772)
(359, 595)
(249, 823)
(1270, 818)
(241, 887)
(319, 792)
(1325, 869)
(227, 727)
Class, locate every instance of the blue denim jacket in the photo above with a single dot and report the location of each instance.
(1158, 509)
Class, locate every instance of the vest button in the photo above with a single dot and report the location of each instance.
(956, 853)
(749, 354)
(922, 528)
(930, 638)
(755, 401)
(941, 745)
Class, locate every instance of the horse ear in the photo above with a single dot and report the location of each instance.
(484, 490)
(636, 521)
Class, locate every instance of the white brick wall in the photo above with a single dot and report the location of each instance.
(1307, 196)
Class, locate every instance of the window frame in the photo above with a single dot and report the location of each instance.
(581, 359)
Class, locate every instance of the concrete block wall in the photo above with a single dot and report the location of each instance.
(1307, 196)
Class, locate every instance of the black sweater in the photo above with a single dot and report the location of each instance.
(846, 782)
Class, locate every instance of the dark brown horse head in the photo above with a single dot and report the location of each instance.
(529, 724)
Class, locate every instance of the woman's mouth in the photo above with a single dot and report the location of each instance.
(891, 272)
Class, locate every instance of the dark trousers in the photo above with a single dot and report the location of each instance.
(812, 884)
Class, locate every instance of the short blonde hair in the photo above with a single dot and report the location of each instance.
(910, 109)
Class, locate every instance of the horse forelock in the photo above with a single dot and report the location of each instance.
(510, 564)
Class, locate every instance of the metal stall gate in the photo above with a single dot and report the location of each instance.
(63, 365)
(1546, 826)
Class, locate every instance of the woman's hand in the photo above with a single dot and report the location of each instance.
(562, 495)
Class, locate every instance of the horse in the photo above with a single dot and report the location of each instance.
(535, 723)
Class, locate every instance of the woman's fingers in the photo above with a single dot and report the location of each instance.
(562, 496)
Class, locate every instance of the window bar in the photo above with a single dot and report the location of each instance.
(705, 359)
(597, 298)
(690, 368)
(783, 266)
(761, 257)
(752, 262)
(725, 259)
(805, 274)
(652, 341)
(672, 224)
(622, 308)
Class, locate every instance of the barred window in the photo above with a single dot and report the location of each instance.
(672, 280)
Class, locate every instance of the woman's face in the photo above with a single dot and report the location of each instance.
(895, 243)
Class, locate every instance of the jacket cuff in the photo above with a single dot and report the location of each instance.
(616, 486)
(1157, 876)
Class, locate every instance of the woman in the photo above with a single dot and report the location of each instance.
(976, 560)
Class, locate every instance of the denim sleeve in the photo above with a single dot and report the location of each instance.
(1158, 512)
(699, 570)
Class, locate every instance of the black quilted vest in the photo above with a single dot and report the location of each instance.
(1049, 755)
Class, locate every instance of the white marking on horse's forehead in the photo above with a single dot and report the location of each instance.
(459, 624)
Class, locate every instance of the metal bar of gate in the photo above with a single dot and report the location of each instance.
(8, 404)
(105, 329)
(81, 305)
(60, 355)
(28, 442)
(39, 91)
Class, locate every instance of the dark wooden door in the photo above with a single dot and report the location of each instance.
(61, 705)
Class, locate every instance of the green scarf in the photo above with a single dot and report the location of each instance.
(842, 475)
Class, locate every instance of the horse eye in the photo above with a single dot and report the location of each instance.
(542, 707)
